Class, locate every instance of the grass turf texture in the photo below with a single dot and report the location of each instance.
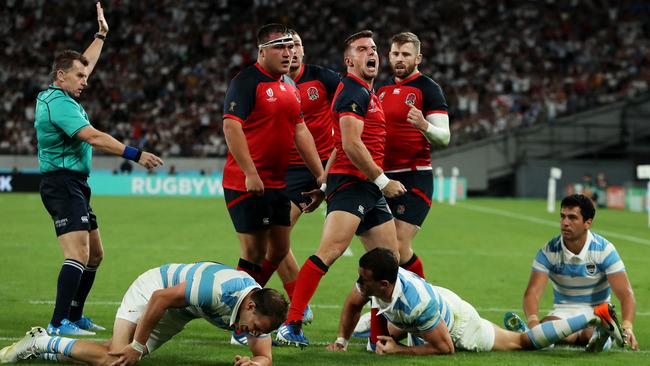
(482, 249)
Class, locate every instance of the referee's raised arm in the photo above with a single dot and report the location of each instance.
(95, 49)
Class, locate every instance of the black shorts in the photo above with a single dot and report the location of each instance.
(249, 212)
(358, 197)
(299, 179)
(66, 196)
(413, 206)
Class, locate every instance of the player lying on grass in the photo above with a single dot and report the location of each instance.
(158, 305)
(443, 320)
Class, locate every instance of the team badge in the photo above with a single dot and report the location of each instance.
(401, 209)
(410, 99)
(591, 269)
(270, 98)
(382, 95)
(312, 93)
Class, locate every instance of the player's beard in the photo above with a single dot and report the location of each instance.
(404, 72)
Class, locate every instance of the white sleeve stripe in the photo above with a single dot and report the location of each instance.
(196, 282)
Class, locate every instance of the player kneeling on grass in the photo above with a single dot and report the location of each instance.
(158, 305)
(441, 318)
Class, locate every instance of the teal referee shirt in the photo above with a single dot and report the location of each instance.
(58, 118)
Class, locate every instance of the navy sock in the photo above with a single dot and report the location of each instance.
(86, 283)
(67, 284)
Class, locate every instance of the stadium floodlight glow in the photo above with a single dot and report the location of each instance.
(555, 174)
(453, 185)
(441, 184)
(643, 172)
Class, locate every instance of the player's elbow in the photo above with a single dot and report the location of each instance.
(349, 146)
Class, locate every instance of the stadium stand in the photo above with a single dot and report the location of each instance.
(161, 80)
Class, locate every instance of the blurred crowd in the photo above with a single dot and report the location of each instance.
(165, 67)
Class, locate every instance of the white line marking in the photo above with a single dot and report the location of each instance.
(519, 216)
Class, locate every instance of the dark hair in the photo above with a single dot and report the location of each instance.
(266, 30)
(406, 37)
(363, 34)
(383, 264)
(293, 32)
(64, 60)
(271, 303)
(587, 208)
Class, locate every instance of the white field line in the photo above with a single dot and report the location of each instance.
(519, 216)
(315, 306)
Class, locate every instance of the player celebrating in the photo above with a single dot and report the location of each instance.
(356, 180)
(262, 121)
(158, 305)
(584, 268)
(446, 322)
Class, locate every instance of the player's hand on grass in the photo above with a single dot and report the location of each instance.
(149, 160)
(103, 26)
(245, 361)
(336, 347)
(387, 345)
(631, 339)
(254, 185)
(316, 196)
(126, 357)
(393, 189)
(416, 118)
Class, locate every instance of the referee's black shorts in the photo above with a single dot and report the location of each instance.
(66, 196)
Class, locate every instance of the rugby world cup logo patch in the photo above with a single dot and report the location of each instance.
(591, 269)
(270, 98)
(410, 99)
(312, 93)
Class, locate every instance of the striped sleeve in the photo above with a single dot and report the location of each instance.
(429, 318)
(541, 262)
(611, 262)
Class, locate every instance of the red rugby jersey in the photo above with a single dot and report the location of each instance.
(355, 98)
(317, 86)
(268, 109)
(406, 146)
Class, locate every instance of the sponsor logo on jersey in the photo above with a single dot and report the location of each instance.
(312, 93)
(396, 91)
(361, 209)
(382, 95)
(371, 107)
(591, 269)
(295, 92)
(282, 88)
(410, 99)
(270, 98)
(61, 222)
(266, 221)
(84, 219)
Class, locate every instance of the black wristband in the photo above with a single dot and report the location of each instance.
(100, 36)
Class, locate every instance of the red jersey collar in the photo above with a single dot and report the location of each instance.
(359, 80)
(259, 67)
(410, 78)
(302, 70)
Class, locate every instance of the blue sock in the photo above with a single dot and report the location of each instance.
(547, 333)
(66, 288)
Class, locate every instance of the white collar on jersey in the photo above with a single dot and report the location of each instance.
(397, 292)
(568, 255)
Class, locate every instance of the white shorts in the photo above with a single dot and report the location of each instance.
(135, 302)
(469, 332)
(564, 311)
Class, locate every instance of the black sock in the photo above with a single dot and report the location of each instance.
(86, 283)
(66, 288)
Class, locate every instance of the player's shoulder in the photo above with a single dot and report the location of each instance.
(384, 84)
(53, 95)
(554, 245)
(353, 86)
(318, 72)
(599, 243)
(251, 75)
(424, 82)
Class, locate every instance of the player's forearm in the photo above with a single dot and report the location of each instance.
(307, 149)
(628, 307)
(350, 316)
(262, 360)
(238, 147)
(103, 142)
(92, 54)
(531, 306)
(359, 155)
(428, 349)
(436, 130)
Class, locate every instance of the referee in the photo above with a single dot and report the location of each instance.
(65, 141)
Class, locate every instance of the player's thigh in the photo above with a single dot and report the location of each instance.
(338, 231)
(405, 234)
(279, 239)
(380, 236)
(253, 245)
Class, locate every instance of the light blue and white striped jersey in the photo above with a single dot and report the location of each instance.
(214, 291)
(579, 278)
(416, 306)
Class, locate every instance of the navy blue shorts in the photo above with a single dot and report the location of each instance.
(249, 212)
(299, 179)
(413, 206)
(358, 197)
(66, 196)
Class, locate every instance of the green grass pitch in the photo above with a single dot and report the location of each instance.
(481, 248)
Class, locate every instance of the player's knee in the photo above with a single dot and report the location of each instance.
(95, 258)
